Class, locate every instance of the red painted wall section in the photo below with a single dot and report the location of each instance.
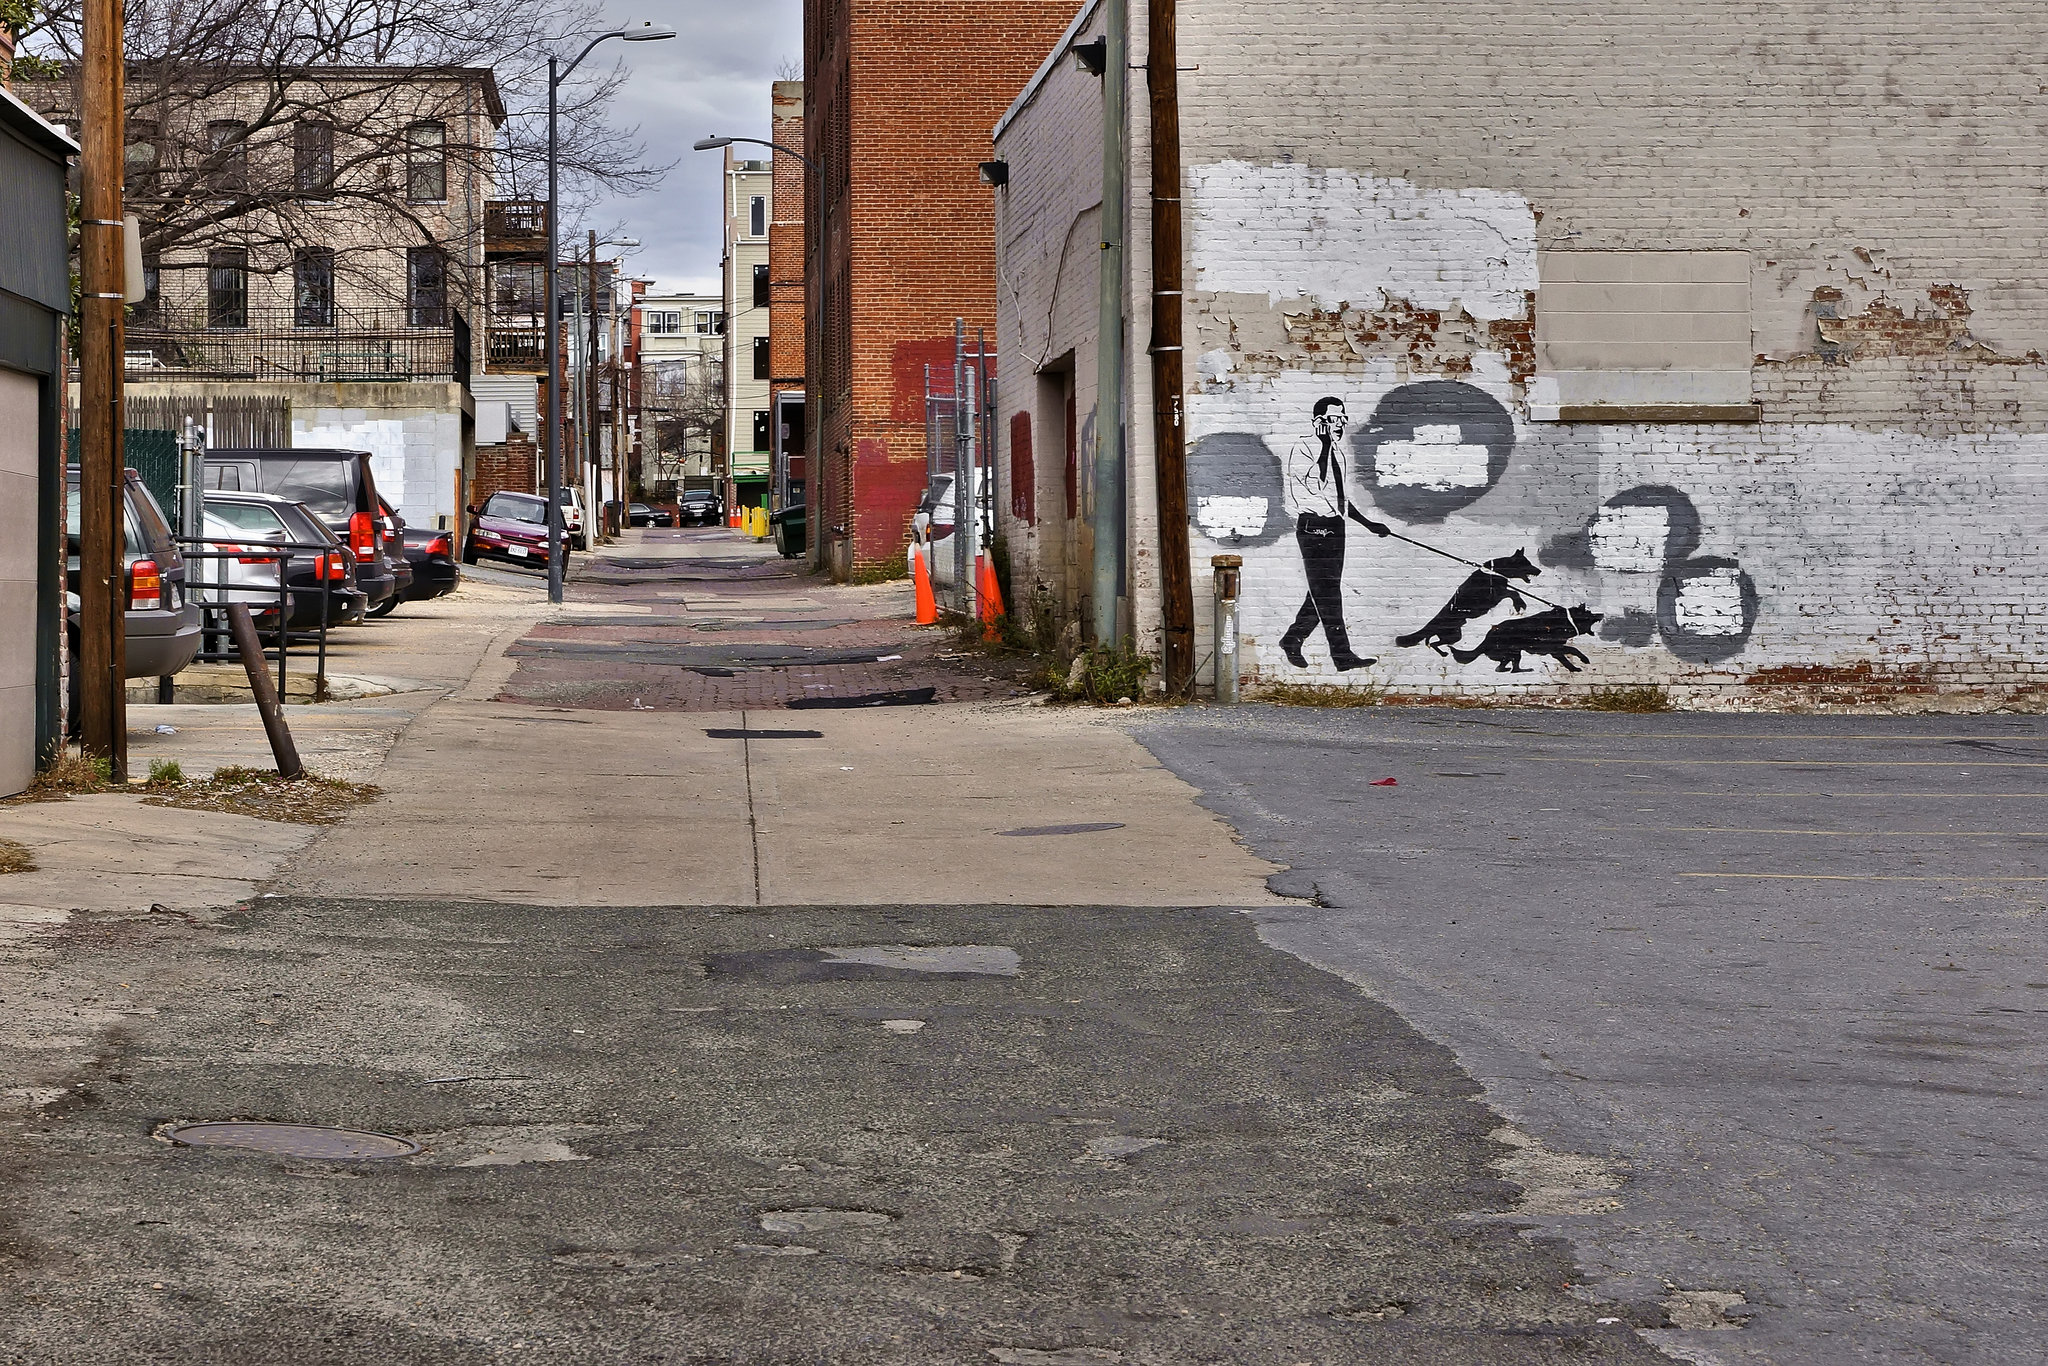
(889, 490)
(1023, 471)
(907, 361)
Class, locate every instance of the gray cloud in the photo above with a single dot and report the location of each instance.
(712, 78)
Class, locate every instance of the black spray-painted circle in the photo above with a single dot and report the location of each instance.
(1481, 421)
(1703, 647)
(1574, 549)
(1228, 474)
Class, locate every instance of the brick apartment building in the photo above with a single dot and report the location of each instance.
(1753, 388)
(788, 254)
(900, 101)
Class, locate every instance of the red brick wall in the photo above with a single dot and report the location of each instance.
(513, 466)
(901, 100)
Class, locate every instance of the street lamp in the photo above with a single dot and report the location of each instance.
(643, 31)
(713, 144)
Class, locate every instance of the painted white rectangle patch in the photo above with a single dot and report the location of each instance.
(1438, 458)
(1710, 604)
(1291, 231)
(1631, 540)
(1222, 517)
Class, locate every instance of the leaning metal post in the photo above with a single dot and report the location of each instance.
(1229, 574)
(553, 342)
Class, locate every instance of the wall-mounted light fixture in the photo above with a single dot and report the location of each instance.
(996, 173)
(1093, 57)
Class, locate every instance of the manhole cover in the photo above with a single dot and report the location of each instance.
(292, 1140)
(1088, 829)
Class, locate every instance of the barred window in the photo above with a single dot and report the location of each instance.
(312, 156)
(426, 163)
(227, 287)
(313, 287)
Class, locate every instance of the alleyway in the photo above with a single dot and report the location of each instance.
(740, 1032)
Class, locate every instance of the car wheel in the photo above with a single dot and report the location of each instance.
(384, 608)
(469, 552)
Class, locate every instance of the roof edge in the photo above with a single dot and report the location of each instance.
(34, 127)
(1038, 77)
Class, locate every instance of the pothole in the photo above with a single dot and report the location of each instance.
(290, 1140)
(1116, 1147)
(1706, 1310)
(867, 962)
(1554, 1182)
(1088, 828)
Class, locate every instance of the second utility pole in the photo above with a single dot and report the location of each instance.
(1106, 585)
(1169, 424)
(101, 664)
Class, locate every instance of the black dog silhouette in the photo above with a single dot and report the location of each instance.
(1479, 594)
(1546, 633)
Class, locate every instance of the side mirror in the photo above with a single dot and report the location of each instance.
(474, 513)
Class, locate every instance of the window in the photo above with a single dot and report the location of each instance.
(518, 287)
(144, 153)
(760, 286)
(761, 363)
(426, 287)
(312, 156)
(426, 162)
(1631, 336)
(227, 287)
(710, 323)
(761, 428)
(663, 322)
(518, 507)
(313, 287)
(227, 146)
(757, 216)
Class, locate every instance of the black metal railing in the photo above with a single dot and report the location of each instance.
(272, 606)
(295, 344)
(516, 218)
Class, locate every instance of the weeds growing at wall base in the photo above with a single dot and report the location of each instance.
(1643, 699)
(306, 800)
(16, 858)
(1320, 694)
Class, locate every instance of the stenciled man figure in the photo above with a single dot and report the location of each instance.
(1316, 495)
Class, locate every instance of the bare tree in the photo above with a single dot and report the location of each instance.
(684, 403)
(255, 124)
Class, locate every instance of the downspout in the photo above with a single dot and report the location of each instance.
(1169, 427)
(1106, 587)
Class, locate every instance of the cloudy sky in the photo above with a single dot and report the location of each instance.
(712, 78)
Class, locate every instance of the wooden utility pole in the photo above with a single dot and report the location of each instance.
(102, 582)
(594, 453)
(1169, 425)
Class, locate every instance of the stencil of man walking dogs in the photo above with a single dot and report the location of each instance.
(1316, 495)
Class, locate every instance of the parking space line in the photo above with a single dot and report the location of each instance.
(1862, 877)
(1783, 830)
(1774, 763)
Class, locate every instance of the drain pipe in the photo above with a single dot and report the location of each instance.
(1169, 433)
(1106, 587)
(1229, 582)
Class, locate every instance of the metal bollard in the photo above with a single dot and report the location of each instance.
(1229, 573)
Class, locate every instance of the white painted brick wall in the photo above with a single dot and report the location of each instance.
(1406, 156)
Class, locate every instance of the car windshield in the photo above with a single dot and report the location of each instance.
(517, 507)
(244, 520)
(322, 485)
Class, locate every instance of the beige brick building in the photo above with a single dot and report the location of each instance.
(1729, 320)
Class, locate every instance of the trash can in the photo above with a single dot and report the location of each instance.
(790, 531)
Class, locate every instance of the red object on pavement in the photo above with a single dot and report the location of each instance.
(920, 573)
(1385, 782)
(989, 594)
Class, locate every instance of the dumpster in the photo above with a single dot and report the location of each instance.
(790, 529)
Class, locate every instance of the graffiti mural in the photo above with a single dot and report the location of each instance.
(1433, 473)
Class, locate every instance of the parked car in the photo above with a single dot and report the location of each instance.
(572, 517)
(160, 626)
(639, 514)
(511, 527)
(661, 516)
(431, 554)
(249, 524)
(700, 507)
(392, 528)
(932, 524)
(339, 488)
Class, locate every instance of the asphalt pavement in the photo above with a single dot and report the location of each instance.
(1778, 983)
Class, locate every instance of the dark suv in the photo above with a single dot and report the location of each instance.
(337, 486)
(161, 625)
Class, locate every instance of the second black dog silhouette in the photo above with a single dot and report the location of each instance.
(1547, 634)
(1482, 591)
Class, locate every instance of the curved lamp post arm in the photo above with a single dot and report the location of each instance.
(713, 144)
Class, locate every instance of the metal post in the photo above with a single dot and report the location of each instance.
(102, 644)
(267, 705)
(962, 467)
(1169, 435)
(554, 346)
(1229, 573)
(1106, 585)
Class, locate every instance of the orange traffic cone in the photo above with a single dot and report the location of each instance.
(990, 595)
(920, 573)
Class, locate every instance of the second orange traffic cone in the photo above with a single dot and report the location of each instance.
(921, 575)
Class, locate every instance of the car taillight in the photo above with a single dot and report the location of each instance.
(362, 535)
(441, 545)
(332, 565)
(244, 554)
(145, 586)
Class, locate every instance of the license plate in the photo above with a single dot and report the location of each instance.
(519, 550)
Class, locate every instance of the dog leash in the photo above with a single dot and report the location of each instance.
(1422, 545)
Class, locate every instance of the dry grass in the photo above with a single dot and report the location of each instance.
(15, 857)
(1320, 694)
(258, 792)
(1644, 699)
(70, 775)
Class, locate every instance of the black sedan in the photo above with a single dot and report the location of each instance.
(639, 514)
(699, 507)
(432, 557)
